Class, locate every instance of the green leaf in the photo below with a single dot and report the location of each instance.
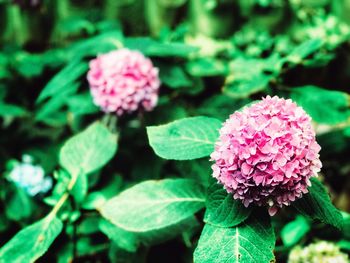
(56, 103)
(68, 75)
(82, 104)
(251, 241)
(184, 139)
(9, 110)
(222, 209)
(153, 205)
(32, 242)
(207, 67)
(174, 76)
(244, 88)
(97, 45)
(303, 50)
(317, 205)
(151, 47)
(124, 239)
(89, 150)
(324, 106)
(295, 230)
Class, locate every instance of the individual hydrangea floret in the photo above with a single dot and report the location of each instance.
(319, 252)
(31, 178)
(267, 153)
(123, 81)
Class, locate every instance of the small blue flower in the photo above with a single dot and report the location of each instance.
(30, 177)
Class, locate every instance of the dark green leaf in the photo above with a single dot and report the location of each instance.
(222, 209)
(317, 205)
(68, 75)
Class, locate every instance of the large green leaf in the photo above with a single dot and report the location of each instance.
(67, 76)
(251, 241)
(317, 205)
(88, 150)
(153, 205)
(324, 106)
(184, 139)
(222, 209)
(31, 242)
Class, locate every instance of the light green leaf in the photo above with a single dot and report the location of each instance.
(251, 241)
(62, 79)
(317, 205)
(89, 150)
(295, 230)
(31, 242)
(222, 209)
(324, 106)
(153, 205)
(184, 139)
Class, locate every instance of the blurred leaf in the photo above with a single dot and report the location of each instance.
(32, 242)
(244, 88)
(151, 47)
(153, 205)
(82, 104)
(124, 239)
(9, 110)
(251, 241)
(294, 231)
(174, 76)
(184, 139)
(303, 50)
(324, 106)
(89, 150)
(221, 106)
(317, 205)
(19, 205)
(56, 103)
(222, 210)
(68, 75)
(205, 67)
(80, 188)
(99, 44)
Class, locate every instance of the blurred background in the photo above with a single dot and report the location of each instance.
(214, 56)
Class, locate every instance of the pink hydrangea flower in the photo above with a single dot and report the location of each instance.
(123, 81)
(267, 153)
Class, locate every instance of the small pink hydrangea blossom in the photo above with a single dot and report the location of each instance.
(267, 153)
(123, 81)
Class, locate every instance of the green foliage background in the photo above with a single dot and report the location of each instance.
(214, 57)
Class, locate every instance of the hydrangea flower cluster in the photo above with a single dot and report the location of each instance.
(267, 153)
(123, 81)
(31, 178)
(320, 252)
